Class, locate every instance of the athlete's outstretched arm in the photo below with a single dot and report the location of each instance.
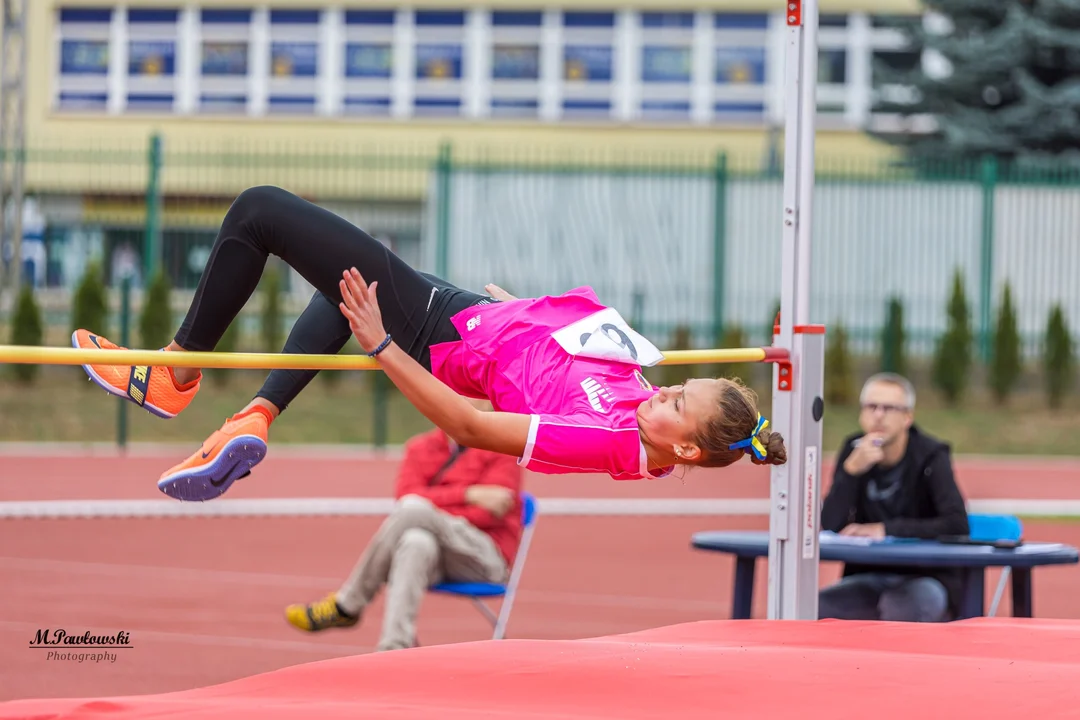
(500, 432)
(505, 433)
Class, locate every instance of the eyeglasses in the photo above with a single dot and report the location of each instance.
(875, 407)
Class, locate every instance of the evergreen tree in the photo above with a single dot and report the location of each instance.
(732, 337)
(156, 327)
(90, 306)
(272, 322)
(229, 342)
(1005, 365)
(1059, 359)
(953, 358)
(893, 357)
(1009, 87)
(839, 373)
(27, 328)
(675, 374)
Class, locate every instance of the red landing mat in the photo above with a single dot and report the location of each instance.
(980, 668)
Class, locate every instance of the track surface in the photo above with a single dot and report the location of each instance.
(202, 599)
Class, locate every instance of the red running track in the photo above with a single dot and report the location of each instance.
(202, 599)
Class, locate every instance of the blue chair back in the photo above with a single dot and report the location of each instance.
(995, 527)
(528, 509)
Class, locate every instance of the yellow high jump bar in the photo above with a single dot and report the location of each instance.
(34, 355)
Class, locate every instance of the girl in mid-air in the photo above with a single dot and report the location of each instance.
(563, 373)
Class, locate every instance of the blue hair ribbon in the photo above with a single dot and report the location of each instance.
(752, 442)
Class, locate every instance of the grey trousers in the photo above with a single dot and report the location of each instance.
(417, 546)
(885, 596)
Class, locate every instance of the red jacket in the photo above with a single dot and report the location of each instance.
(426, 453)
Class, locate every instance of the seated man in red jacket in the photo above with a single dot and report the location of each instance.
(458, 518)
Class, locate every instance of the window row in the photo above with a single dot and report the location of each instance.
(545, 63)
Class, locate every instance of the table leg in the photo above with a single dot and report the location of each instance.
(973, 603)
(742, 600)
(1021, 592)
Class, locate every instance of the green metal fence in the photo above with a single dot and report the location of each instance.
(689, 240)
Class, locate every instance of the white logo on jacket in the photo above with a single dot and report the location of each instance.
(595, 392)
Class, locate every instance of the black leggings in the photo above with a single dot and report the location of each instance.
(415, 307)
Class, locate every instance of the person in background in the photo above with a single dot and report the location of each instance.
(893, 479)
(457, 518)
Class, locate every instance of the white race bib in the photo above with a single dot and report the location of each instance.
(606, 336)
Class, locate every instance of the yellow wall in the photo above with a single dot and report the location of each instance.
(48, 129)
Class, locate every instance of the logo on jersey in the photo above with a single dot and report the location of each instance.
(473, 323)
(645, 384)
(597, 392)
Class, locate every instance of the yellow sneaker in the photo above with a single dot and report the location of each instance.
(227, 455)
(151, 388)
(319, 615)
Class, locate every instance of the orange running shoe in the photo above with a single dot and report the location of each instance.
(226, 456)
(151, 388)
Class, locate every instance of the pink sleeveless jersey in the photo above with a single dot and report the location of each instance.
(583, 408)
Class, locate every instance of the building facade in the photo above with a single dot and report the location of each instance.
(637, 73)
(353, 103)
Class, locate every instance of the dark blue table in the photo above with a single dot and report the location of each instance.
(748, 546)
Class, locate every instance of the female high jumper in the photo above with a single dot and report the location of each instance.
(563, 373)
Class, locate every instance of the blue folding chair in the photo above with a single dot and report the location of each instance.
(476, 591)
(987, 528)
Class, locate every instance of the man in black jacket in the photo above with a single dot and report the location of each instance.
(893, 480)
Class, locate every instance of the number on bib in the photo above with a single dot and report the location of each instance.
(621, 338)
(605, 335)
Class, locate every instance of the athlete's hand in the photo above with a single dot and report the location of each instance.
(361, 308)
(869, 530)
(498, 293)
(866, 454)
